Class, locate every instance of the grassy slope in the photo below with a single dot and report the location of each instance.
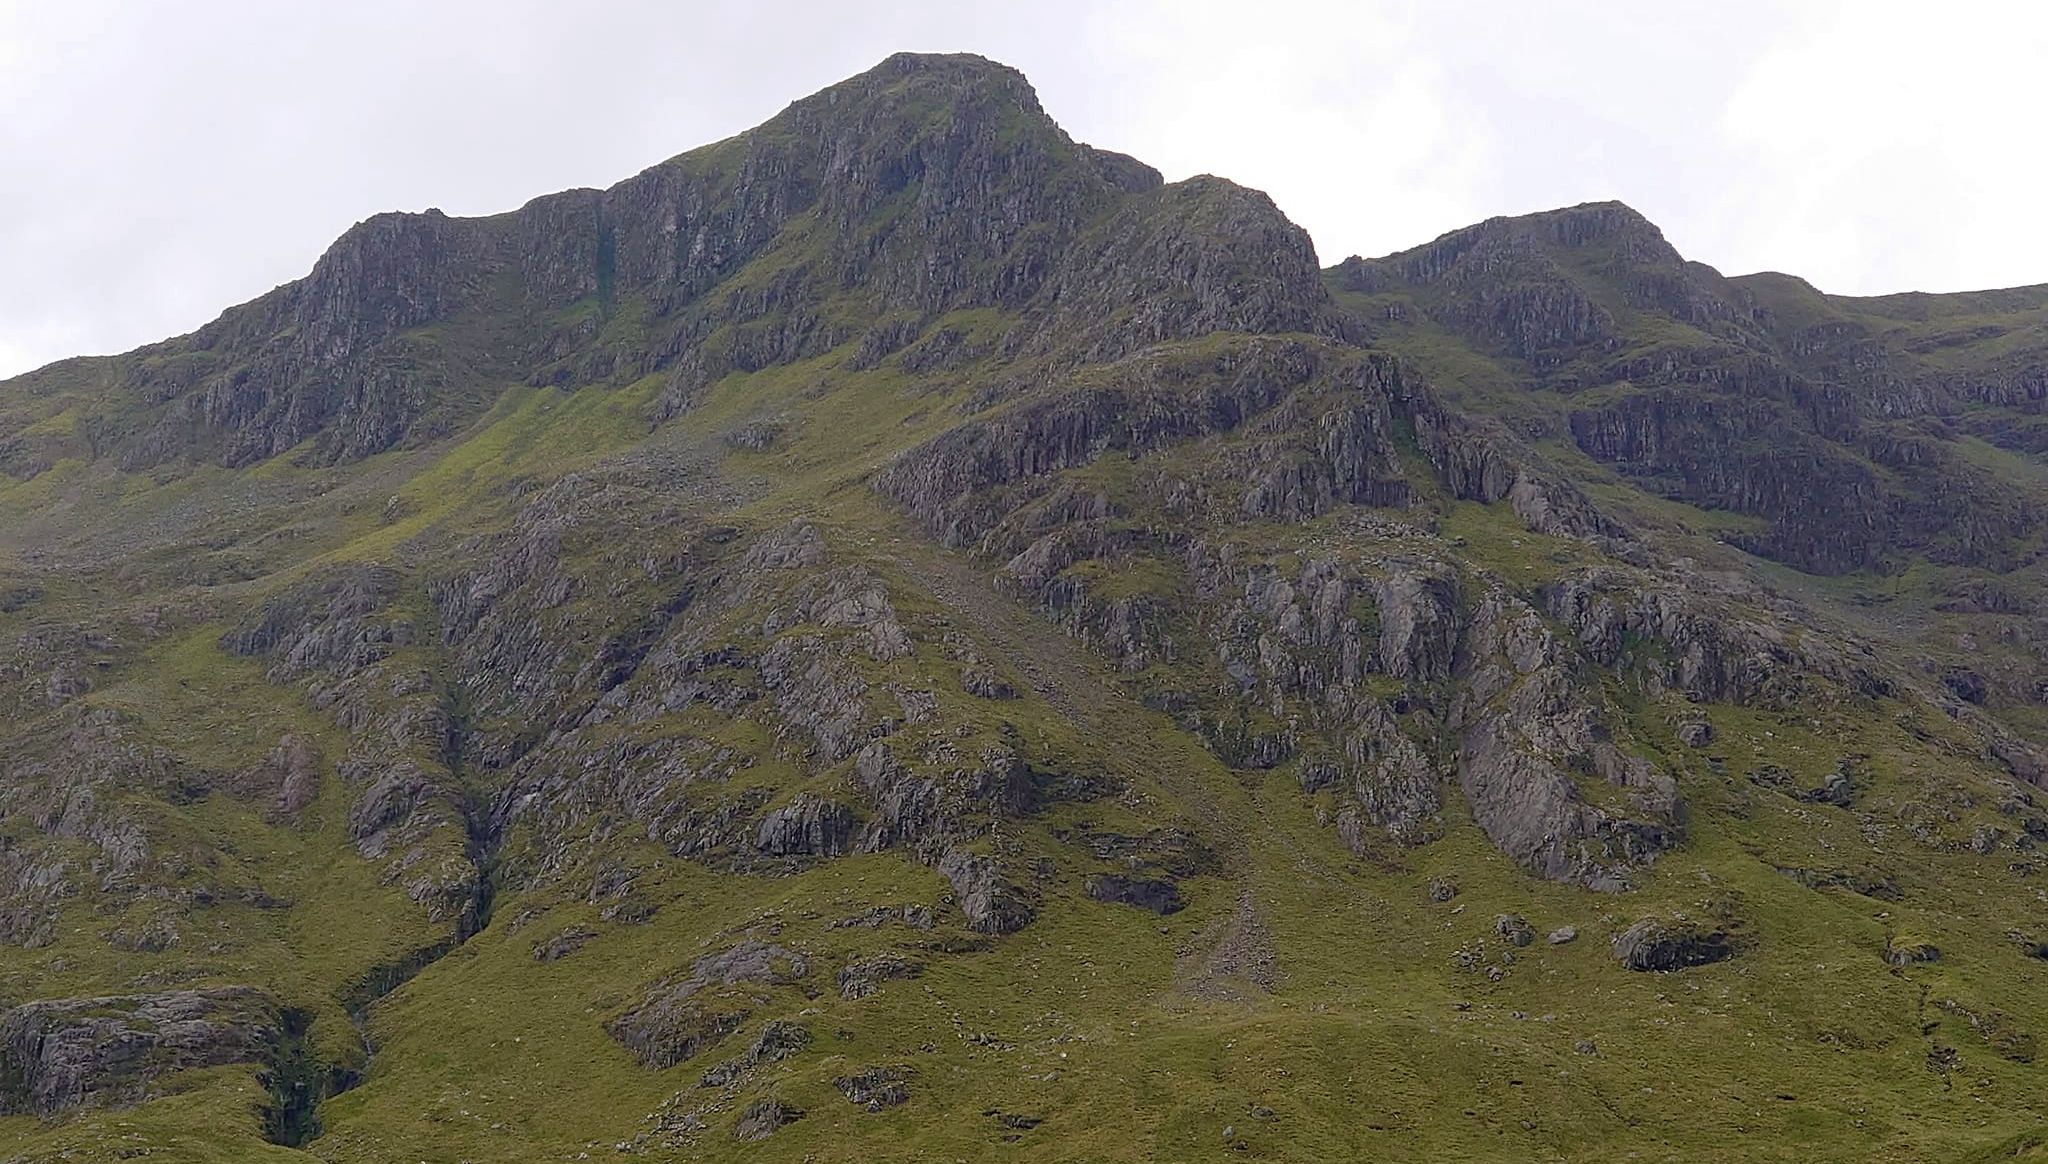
(1373, 1045)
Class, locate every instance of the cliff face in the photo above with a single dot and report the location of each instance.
(1828, 419)
(902, 612)
(927, 185)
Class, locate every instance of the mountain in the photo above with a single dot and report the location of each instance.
(900, 635)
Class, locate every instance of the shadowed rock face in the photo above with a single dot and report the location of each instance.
(808, 827)
(1157, 895)
(765, 1117)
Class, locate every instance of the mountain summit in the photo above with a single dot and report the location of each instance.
(927, 185)
(902, 635)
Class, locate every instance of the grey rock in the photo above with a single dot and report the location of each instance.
(1418, 625)
(563, 944)
(1899, 954)
(1525, 722)
(993, 904)
(299, 775)
(1157, 895)
(949, 483)
(862, 978)
(67, 1053)
(986, 683)
(808, 826)
(65, 684)
(1663, 945)
(1513, 929)
(751, 961)
(778, 1041)
(1720, 642)
(764, 1117)
(876, 1087)
(755, 436)
(681, 1016)
(1837, 788)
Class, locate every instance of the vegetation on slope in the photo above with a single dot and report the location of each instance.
(1006, 658)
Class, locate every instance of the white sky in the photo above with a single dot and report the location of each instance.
(159, 161)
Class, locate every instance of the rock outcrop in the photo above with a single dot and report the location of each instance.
(1157, 895)
(73, 1052)
(1664, 944)
(901, 502)
(682, 1016)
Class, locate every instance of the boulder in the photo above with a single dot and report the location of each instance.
(1900, 953)
(1514, 929)
(862, 978)
(1663, 945)
(993, 904)
(876, 1087)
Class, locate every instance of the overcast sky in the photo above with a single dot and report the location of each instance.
(160, 161)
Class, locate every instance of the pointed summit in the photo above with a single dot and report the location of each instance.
(907, 79)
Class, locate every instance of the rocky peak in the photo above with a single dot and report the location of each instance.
(1602, 224)
(1199, 256)
(926, 184)
(1607, 226)
(1552, 286)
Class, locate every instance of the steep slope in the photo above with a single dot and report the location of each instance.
(1884, 441)
(1827, 420)
(901, 635)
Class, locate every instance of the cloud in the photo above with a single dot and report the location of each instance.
(1336, 110)
(159, 162)
(1886, 146)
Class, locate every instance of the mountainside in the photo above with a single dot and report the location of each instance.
(899, 635)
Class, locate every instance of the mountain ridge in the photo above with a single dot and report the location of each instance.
(901, 634)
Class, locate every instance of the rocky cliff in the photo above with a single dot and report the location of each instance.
(900, 633)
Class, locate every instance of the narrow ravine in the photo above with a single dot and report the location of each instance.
(299, 1081)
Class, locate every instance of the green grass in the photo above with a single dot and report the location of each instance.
(1108, 1024)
